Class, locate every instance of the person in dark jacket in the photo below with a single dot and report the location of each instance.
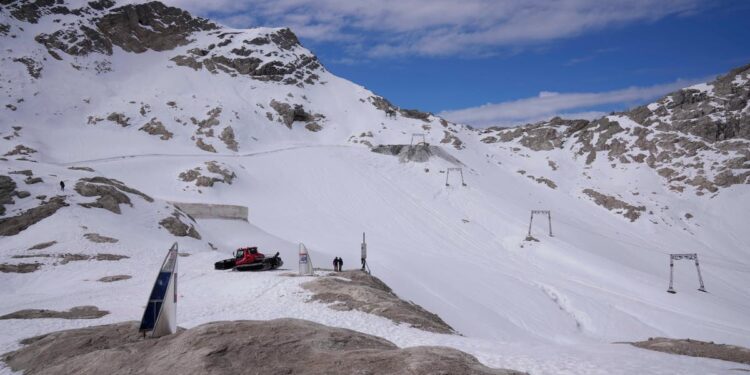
(336, 263)
(62, 185)
(341, 264)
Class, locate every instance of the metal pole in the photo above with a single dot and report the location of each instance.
(700, 278)
(530, 221)
(447, 173)
(462, 177)
(671, 275)
(549, 217)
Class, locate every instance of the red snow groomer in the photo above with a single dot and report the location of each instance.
(249, 259)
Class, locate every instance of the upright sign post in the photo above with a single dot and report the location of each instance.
(160, 316)
(305, 263)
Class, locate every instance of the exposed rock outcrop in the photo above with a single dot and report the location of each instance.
(364, 292)
(110, 193)
(173, 224)
(611, 203)
(672, 135)
(150, 26)
(7, 192)
(280, 346)
(288, 114)
(696, 348)
(13, 225)
(111, 279)
(220, 172)
(19, 268)
(78, 312)
(156, 127)
(98, 238)
(42, 245)
(227, 136)
(32, 66)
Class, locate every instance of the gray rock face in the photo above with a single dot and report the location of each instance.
(32, 66)
(119, 119)
(281, 346)
(7, 191)
(134, 27)
(611, 203)
(714, 115)
(11, 226)
(452, 139)
(156, 127)
(19, 268)
(298, 68)
(98, 238)
(173, 224)
(227, 136)
(110, 193)
(289, 114)
(141, 27)
(111, 279)
(227, 176)
(713, 119)
(415, 114)
(42, 245)
(78, 312)
(204, 146)
(368, 294)
(695, 348)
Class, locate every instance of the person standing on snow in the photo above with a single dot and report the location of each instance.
(336, 263)
(341, 264)
(62, 185)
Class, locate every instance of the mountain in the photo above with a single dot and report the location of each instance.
(137, 107)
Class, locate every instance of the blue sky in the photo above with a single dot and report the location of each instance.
(497, 62)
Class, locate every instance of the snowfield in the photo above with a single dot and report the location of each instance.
(558, 305)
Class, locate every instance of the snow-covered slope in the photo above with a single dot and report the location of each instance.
(144, 94)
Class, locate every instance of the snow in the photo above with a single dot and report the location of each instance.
(552, 307)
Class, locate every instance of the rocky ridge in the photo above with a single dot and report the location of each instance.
(697, 138)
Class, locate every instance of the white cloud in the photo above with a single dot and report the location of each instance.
(568, 105)
(440, 27)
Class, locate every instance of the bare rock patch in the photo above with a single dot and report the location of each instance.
(97, 238)
(42, 245)
(111, 279)
(280, 346)
(78, 312)
(156, 127)
(110, 193)
(695, 348)
(19, 268)
(173, 224)
(11, 226)
(368, 294)
(611, 203)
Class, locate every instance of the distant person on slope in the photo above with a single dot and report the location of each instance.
(336, 263)
(341, 264)
(62, 185)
